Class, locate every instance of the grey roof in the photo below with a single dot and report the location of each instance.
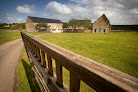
(44, 20)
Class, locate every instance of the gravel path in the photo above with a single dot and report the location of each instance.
(9, 56)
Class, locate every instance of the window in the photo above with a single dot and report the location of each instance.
(95, 30)
(100, 30)
(104, 31)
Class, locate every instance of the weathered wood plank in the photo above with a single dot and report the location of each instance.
(50, 67)
(59, 74)
(74, 83)
(29, 45)
(32, 47)
(38, 54)
(50, 80)
(35, 51)
(43, 58)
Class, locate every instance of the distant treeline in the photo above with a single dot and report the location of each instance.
(12, 26)
(124, 27)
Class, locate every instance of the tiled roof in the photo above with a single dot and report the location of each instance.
(44, 20)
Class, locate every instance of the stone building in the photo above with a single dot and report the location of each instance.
(55, 25)
(102, 25)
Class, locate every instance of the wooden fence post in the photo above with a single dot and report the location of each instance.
(50, 65)
(59, 74)
(43, 58)
(38, 54)
(74, 82)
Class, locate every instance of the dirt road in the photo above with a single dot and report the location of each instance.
(9, 57)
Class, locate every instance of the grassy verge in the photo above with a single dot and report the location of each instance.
(8, 36)
(27, 82)
(118, 50)
(10, 30)
(37, 33)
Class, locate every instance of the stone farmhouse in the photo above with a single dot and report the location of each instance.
(102, 25)
(55, 25)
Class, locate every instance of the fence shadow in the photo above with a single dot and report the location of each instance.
(31, 77)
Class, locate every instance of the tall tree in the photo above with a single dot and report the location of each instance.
(73, 23)
(41, 26)
(65, 25)
(86, 23)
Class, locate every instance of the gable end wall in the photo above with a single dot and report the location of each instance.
(29, 25)
(101, 24)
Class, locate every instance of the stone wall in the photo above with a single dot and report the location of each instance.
(53, 26)
(29, 25)
(77, 31)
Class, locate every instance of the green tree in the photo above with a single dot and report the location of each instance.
(86, 23)
(73, 23)
(2, 26)
(23, 26)
(65, 25)
(41, 26)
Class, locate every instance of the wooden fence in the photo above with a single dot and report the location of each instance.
(98, 76)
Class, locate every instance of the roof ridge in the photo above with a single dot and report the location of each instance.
(44, 20)
(101, 17)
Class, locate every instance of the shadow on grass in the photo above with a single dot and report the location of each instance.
(31, 77)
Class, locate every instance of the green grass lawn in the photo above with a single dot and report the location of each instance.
(37, 33)
(118, 50)
(27, 82)
(8, 36)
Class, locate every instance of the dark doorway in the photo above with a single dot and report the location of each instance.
(99, 30)
(95, 30)
(104, 31)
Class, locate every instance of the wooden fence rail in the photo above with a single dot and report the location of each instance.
(98, 76)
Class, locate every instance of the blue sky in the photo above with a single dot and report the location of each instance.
(117, 11)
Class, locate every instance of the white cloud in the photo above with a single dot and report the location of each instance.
(77, 8)
(26, 9)
(7, 14)
(58, 8)
(117, 11)
(14, 20)
(100, 8)
(118, 5)
(80, 1)
(10, 19)
(20, 19)
(65, 12)
(134, 11)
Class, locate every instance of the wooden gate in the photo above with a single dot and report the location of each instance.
(98, 76)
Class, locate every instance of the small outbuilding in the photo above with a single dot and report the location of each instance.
(102, 25)
(55, 25)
